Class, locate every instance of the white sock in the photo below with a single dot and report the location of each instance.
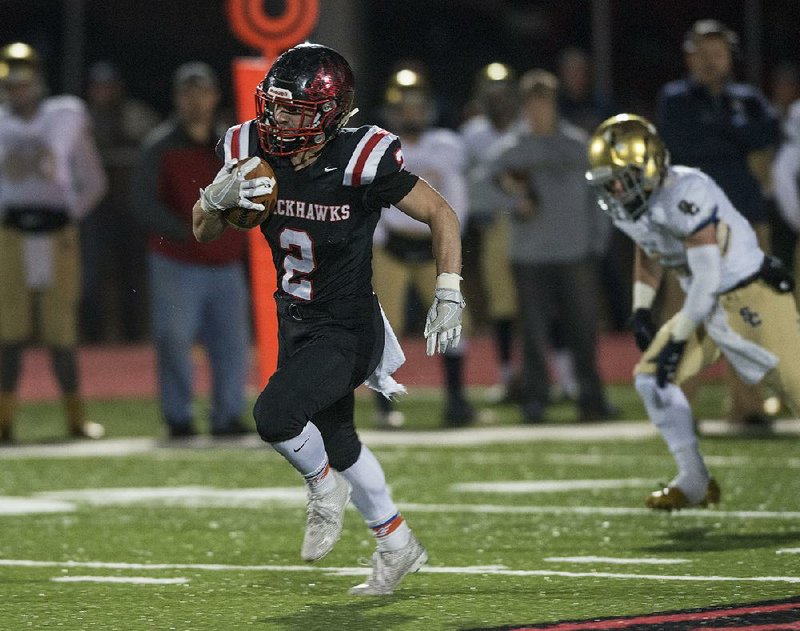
(671, 413)
(306, 453)
(372, 499)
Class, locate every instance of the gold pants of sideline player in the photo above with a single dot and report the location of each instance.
(58, 303)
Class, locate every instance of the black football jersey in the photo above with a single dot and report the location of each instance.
(321, 229)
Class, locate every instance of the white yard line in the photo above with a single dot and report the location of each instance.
(548, 486)
(502, 434)
(616, 560)
(31, 506)
(133, 580)
(494, 570)
(593, 510)
(789, 551)
(259, 497)
(118, 447)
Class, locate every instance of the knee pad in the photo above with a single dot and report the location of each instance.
(276, 418)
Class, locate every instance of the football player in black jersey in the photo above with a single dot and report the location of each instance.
(332, 184)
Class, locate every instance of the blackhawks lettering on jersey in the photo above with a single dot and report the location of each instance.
(321, 230)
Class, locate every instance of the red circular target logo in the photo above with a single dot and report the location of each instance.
(272, 34)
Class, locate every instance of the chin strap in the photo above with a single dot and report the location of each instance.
(348, 116)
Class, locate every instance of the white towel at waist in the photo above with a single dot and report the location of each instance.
(393, 357)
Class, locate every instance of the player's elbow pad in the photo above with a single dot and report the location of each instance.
(705, 263)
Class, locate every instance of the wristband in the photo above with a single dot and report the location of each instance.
(448, 280)
(682, 327)
(643, 295)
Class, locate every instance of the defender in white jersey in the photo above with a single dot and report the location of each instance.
(738, 302)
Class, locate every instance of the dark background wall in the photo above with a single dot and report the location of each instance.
(149, 38)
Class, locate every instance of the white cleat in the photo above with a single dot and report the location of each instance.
(389, 568)
(324, 519)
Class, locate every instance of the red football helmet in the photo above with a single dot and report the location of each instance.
(313, 81)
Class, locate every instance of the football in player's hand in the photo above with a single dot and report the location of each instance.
(246, 218)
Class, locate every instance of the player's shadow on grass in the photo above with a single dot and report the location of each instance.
(712, 540)
(346, 615)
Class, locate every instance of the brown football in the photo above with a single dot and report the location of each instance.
(245, 219)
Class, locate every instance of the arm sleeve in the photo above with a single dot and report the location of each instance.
(148, 209)
(704, 263)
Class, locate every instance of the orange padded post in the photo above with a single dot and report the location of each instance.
(272, 35)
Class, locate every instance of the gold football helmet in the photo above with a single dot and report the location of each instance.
(627, 161)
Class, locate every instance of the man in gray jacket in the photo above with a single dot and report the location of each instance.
(556, 238)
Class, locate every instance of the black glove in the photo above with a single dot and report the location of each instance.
(641, 323)
(667, 361)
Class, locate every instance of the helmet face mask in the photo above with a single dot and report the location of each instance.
(620, 192)
(305, 99)
(628, 162)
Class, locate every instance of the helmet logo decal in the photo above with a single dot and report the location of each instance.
(280, 93)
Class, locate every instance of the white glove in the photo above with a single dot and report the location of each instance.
(443, 324)
(230, 189)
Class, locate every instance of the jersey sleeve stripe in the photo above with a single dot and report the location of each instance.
(358, 168)
(232, 143)
(244, 140)
(370, 169)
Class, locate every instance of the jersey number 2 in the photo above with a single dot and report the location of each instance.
(298, 262)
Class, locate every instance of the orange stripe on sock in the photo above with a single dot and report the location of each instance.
(387, 528)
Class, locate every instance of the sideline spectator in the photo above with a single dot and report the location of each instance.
(784, 90)
(556, 237)
(50, 177)
(582, 106)
(710, 122)
(113, 301)
(198, 291)
(786, 179)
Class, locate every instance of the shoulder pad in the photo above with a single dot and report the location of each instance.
(239, 142)
(364, 150)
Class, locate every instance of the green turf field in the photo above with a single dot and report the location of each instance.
(219, 526)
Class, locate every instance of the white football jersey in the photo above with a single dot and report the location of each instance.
(50, 160)
(687, 201)
(439, 157)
